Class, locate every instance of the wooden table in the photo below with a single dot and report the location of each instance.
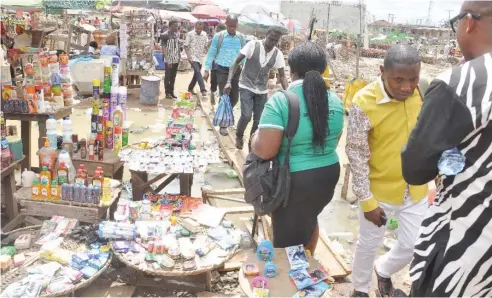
(26, 120)
(8, 188)
(281, 285)
(111, 164)
(140, 183)
(84, 212)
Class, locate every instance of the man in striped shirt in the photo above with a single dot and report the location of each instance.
(453, 254)
(172, 53)
(224, 49)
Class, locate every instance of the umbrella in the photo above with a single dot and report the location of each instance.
(172, 5)
(294, 25)
(181, 15)
(201, 2)
(209, 12)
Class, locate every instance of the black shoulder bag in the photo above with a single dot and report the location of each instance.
(267, 182)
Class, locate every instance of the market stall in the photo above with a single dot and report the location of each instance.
(55, 258)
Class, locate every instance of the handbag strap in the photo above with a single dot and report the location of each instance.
(292, 122)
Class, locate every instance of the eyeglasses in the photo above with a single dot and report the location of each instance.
(475, 16)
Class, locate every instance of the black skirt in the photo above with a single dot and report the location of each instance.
(310, 192)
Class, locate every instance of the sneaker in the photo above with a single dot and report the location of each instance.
(239, 143)
(192, 92)
(204, 93)
(169, 96)
(223, 131)
(385, 286)
(359, 294)
(174, 96)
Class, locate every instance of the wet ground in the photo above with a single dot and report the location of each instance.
(339, 219)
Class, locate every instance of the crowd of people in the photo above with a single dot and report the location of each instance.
(395, 138)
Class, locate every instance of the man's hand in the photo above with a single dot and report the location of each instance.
(374, 216)
(227, 88)
(206, 74)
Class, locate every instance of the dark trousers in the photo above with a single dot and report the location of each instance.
(170, 78)
(252, 105)
(222, 75)
(197, 77)
(213, 81)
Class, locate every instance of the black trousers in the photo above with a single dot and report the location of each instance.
(213, 81)
(222, 75)
(170, 78)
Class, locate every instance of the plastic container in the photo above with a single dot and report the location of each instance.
(149, 90)
(122, 99)
(118, 117)
(64, 157)
(27, 178)
(118, 141)
(45, 190)
(107, 192)
(47, 156)
(55, 190)
(115, 72)
(15, 148)
(80, 177)
(35, 189)
(51, 131)
(125, 132)
(45, 176)
(113, 100)
(62, 174)
(109, 134)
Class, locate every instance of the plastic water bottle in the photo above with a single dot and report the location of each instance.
(51, 131)
(451, 163)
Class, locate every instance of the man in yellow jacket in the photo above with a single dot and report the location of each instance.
(381, 118)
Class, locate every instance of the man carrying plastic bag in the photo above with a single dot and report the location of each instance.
(223, 115)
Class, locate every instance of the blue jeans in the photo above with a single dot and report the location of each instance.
(252, 105)
(197, 77)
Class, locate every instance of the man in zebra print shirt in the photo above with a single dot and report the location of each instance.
(453, 254)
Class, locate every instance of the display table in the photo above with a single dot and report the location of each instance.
(84, 212)
(26, 120)
(281, 285)
(140, 183)
(111, 164)
(8, 188)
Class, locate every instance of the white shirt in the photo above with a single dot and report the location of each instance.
(249, 49)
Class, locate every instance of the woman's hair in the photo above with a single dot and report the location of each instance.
(308, 62)
(93, 44)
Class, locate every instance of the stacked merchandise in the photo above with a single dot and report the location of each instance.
(46, 88)
(178, 152)
(5, 153)
(61, 256)
(161, 237)
(81, 189)
(140, 40)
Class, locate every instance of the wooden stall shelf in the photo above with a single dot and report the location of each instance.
(140, 183)
(26, 120)
(84, 212)
(8, 188)
(111, 164)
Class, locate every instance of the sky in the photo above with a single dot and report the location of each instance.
(405, 11)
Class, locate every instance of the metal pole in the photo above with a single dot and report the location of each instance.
(357, 61)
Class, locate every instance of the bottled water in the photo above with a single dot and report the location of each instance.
(451, 163)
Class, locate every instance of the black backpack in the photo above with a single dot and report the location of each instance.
(267, 182)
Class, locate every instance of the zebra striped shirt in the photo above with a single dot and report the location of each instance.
(171, 46)
(453, 255)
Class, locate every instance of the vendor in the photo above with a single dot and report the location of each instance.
(110, 48)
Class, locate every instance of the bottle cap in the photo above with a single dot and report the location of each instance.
(99, 137)
(45, 168)
(117, 130)
(82, 166)
(96, 83)
(99, 168)
(35, 181)
(62, 163)
(54, 182)
(107, 180)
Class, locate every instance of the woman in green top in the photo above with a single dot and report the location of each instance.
(313, 159)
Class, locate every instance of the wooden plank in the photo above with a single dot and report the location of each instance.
(239, 210)
(47, 209)
(219, 192)
(323, 237)
(102, 288)
(110, 164)
(26, 144)
(63, 112)
(14, 223)
(33, 221)
(191, 283)
(8, 189)
(11, 168)
(235, 262)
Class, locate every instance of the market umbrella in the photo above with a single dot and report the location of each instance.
(209, 12)
(200, 2)
(294, 25)
(172, 5)
(181, 15)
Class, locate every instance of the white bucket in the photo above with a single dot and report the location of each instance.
(149, 90)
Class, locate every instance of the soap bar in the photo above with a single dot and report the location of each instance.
(5, 262)
(19, 260)
(191, 225)
(23, 241)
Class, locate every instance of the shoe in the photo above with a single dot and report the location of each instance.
(359, 294)
(223, 131)
(385, 286)
(204, 93)
(174, 96)
(239, 143)
(192, 92)
(169, 96)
